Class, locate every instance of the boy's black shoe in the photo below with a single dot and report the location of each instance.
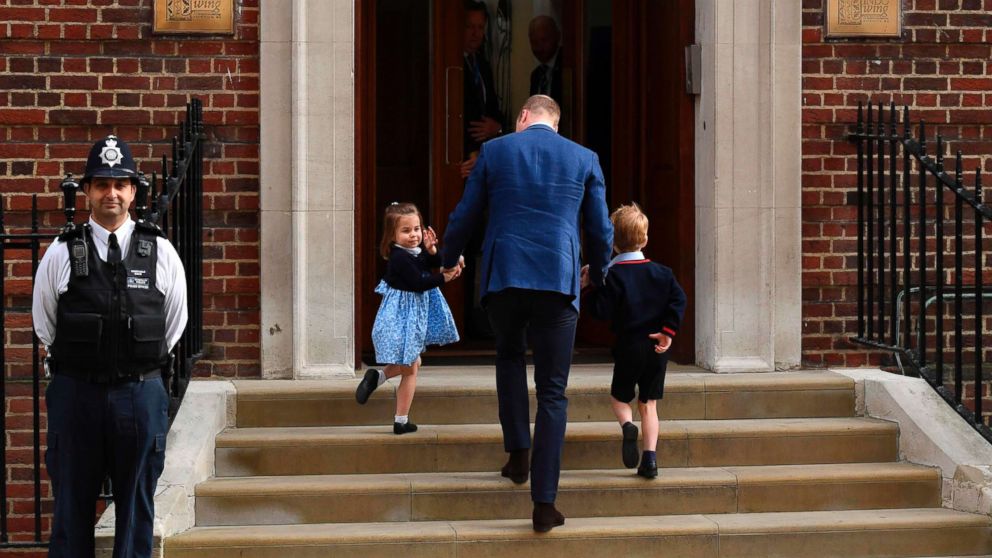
(517, 468)
(403, 428)
(648, 469)
(629, 451)
(546, 517)
(367, 386)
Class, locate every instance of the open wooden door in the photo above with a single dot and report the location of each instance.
(447, 127)
(392, 162)
(623, 70)
(653, 136)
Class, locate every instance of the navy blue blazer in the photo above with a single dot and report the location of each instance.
(539, 188)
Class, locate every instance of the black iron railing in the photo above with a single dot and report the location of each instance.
(176, 206)
(921, 258)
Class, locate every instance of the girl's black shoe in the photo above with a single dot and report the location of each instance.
(368, 384)
(404, 428)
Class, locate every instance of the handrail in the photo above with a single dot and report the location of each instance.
(887, 296)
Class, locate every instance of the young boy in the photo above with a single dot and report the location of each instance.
(644, 304)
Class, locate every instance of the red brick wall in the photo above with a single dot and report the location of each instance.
(941, 69)
(72, 71)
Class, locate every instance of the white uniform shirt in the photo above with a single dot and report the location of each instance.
(54, 271)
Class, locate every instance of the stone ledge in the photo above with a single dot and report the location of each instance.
(208, 408)
(930, 433)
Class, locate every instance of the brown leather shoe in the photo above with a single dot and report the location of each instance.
(517, 468)
(546, 517)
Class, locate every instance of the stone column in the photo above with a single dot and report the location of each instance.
(748, 159)
(307, 183)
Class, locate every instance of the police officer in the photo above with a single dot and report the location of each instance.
(109, 305)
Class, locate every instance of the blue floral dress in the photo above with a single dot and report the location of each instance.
(413, 312)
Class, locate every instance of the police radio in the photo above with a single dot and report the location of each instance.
(79, 257)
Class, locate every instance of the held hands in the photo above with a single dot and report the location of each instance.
(453, 272)
(662, 342)
(584, 277)
(481, 130)
(430, 241)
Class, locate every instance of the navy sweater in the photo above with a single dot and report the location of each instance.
(639, 297)
(407, 272)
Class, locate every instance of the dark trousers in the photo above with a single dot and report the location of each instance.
(475, 320)
(550, 319)
(100, 429)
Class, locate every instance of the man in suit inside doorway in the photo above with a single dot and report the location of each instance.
(483, 121)
(538, 187)
(545, 44)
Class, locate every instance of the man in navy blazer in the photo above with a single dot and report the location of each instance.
(539, 189)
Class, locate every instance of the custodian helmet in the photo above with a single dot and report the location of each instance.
(110, 157)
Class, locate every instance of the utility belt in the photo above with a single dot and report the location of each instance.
(95, 378)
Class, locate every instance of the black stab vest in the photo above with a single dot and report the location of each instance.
(111, 324)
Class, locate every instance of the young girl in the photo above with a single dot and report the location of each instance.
(413, 312)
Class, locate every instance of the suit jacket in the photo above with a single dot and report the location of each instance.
(537, 75)
(475, 105)
(539, 189)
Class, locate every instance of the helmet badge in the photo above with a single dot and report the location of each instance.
(111, 154)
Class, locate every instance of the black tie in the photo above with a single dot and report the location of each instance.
(113, 250)
(480, 86)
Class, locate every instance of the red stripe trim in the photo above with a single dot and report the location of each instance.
(669, 331)
(632, 262)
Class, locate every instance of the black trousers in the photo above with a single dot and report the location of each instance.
(93, 430)
(550, 319)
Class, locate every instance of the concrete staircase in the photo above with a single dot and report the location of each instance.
(754, 465)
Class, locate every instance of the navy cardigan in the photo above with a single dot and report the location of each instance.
(407, 272)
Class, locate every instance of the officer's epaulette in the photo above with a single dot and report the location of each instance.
(75, 232)
(149, 227)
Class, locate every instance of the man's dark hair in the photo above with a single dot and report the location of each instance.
(473, 6)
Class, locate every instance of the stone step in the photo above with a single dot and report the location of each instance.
(862, 533)
(592, 445)
(467, 395)
(592, 493)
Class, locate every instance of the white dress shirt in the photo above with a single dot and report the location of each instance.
(54, 271)
(626, 257)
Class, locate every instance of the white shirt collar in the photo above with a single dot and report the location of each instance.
(548, 126)
(626, 257)
(550, 64)
(412, 251)
(103, 235)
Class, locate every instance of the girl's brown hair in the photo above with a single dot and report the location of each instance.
(393, 213)
(630, 228)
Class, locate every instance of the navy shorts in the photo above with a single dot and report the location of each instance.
(635, 364)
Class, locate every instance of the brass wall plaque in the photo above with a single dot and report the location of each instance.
(864, 18)
(194, 16)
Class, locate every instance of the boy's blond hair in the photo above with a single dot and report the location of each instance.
(630, 228)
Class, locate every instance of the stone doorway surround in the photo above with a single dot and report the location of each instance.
(748, 236)
(748, 178)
